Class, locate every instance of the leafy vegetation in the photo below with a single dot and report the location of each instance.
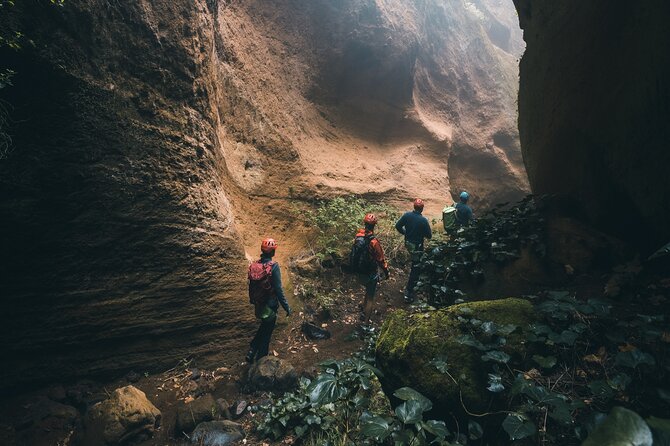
(336, 221)
(498, 236)
(585, 355)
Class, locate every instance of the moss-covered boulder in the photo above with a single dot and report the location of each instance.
(409, 342)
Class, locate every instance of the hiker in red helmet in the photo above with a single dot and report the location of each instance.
(366, 258)
(415, 228)
(265, 293)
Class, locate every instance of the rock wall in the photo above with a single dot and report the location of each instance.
(156, 142)
(594, 107)
(119, 245)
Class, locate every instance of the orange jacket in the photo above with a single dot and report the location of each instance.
(375, 249)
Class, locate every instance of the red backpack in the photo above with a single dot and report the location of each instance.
(260, 283)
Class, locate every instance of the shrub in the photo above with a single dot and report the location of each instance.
(336, 221)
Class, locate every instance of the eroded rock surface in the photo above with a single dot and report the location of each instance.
(593, 111)
(272, 373)
(125, 417)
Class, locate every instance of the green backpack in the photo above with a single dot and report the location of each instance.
(449, 217)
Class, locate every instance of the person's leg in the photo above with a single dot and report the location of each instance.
(266, 329)
(370, 290)
(255, 342)
(415, 258)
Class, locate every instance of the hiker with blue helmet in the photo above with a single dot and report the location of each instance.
(464, 214)
(415, 228)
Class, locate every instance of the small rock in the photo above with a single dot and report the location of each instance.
(126, 416)
(221, 371)
(217, 433)
(224, 409)
(132, 376)
(191, 414)
(240, 407)
(195, 374)
(271, 373)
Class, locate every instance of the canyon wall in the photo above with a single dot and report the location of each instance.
(156, 142)
(594, 108)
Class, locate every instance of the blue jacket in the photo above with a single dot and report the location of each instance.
(280, 298)
(463, 213)
(415, 227)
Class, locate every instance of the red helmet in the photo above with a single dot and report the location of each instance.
(418, 204)
(370, 219)
(268, 245)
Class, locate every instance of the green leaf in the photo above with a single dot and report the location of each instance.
(440, 363)
(622, 427)
(620, 381)
(475, 431)
(325, 389)
(497, 356)
(437, 428)
(469, 340)
(374, 426)
(546, 362)
(518, 426)
(634, 358)
(409, 394)
(495, 383)
(410, 412)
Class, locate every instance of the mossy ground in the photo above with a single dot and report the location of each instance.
(408, 342)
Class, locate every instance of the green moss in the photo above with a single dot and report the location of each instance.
(408, 342)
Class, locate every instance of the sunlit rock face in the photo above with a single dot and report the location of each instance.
(594, 111)
(154, 144)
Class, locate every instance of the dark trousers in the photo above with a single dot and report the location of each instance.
(415, 252)
(413, 279)
(260, 345)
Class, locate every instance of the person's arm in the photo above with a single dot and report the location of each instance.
(379, 257)
(279, 290)
(400, 225)
(428, 231)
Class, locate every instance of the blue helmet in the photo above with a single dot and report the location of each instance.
(464, 196)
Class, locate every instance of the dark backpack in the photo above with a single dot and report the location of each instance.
(360, 257)
(260, 284)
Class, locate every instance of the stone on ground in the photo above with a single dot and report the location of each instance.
(126, 416)
(271, 373)
(191, 414)
(217, 433)
(409, 342)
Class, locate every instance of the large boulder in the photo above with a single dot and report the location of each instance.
(191, 414)
(125, 417)
(409, 342)
(271, 373)
(217, 433)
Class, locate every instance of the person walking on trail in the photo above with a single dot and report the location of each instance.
(265, 293)
(367, 258)
(463, 214)
(415, 228)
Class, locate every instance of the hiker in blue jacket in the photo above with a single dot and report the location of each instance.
(464, 214)
(415, 228)
(266, 293)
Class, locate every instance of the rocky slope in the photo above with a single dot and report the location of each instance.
(594, 111)
(156, 142)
